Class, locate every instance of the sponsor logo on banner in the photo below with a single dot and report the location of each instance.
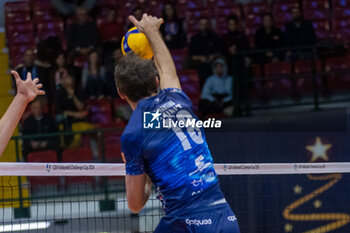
(309, 166)
(240, 167)
(81, 167)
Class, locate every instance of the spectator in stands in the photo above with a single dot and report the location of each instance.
(29, 66)
(111, 33)
(39, 123)
(111, 30)
(217, 90)
(137, 12)
(204, 47)
(69, 105)
(60, 69)
(110, 65)
(299, 32)
(235, 39)
(93, 77)
(268, 37)
(82, 36)
(69, 7)
(172, 29)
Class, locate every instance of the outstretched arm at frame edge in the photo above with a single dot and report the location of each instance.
(27, 90)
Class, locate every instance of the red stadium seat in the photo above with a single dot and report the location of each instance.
(282, 12)
(48, 156)
(190, 85)
(322, 29)
(51, 28)
(113, 153)
(155, 8)
(194, 4)
(13, 29)
(341, 78)
(316, 4)
(316, 14)
(21, 38)
(341, 30)
(19, 6)
(253, 12)
(304, 70)
(281, 84)
(17, 17)
(77, 156)
(341, 4)
(179, 55)
(100, 111)
(341, 13)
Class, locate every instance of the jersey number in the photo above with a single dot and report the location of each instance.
(194, 133)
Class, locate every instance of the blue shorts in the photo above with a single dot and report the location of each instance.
(216, 219)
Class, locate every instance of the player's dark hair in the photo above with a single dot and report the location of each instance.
(136, 77)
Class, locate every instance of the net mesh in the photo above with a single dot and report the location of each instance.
(265, 198)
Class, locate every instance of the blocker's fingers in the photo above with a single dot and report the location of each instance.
(161, 20)
(133, 20)
(36, 80)
(15, 74)
(29, 76)
(39, 85)
(41, 92)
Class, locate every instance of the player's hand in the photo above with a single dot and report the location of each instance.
(28, 89)
(147, 24)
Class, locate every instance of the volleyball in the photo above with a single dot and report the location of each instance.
(137, 42)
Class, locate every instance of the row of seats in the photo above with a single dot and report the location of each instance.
(281, 82)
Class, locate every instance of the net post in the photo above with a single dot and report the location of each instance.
(106, 204)
(21, 212)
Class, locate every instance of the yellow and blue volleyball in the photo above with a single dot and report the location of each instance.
(137, 42)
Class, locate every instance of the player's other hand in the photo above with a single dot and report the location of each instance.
(147, 24)
(29, 88)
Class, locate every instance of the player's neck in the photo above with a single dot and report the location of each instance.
(133, 105)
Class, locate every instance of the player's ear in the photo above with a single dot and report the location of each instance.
(120, 94)
(157, 82)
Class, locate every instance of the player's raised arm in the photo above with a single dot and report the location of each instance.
(26, 92)
(149, 25)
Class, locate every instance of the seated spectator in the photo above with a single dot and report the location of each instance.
(111, 30)
(172, 29)
(68, 103)
(93, 78)
(268, 37)
(235, 39)
(39, 123)
(111, 89)
(217, 90)
(111, 33)
(299, 32)
(137, 12)
(60, 69)
(69, 7)
(82, 36)
(203, 48)
(29, 66)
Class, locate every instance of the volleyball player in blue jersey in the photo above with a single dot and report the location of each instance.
(177, 160)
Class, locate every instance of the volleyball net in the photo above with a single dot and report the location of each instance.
(90, 197)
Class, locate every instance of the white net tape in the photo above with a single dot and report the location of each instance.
(114, 169)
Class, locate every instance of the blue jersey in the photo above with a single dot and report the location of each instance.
(177, 160)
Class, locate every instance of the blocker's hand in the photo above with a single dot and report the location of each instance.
(28, 89)
(147, 24)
